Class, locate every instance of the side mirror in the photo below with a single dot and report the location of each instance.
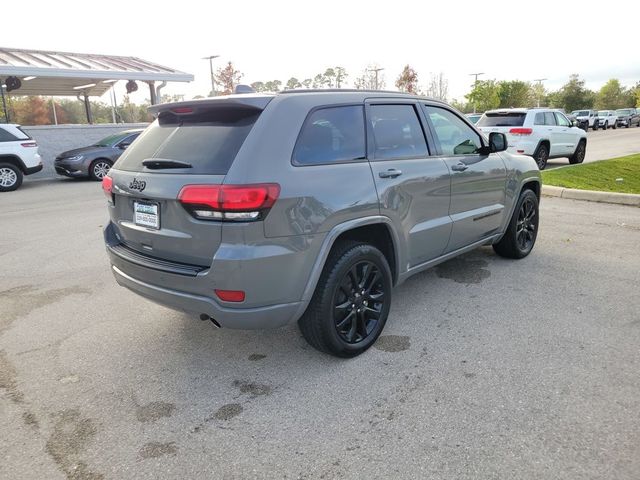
(574, 123)
(498, 142)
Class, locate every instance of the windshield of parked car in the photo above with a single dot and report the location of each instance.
(111, 140)
(502, 119)
(581, 113)
(603, 113)
(624, 111)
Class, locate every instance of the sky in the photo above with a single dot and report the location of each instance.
(278, 39)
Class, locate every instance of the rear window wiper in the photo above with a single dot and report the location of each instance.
(160, 164)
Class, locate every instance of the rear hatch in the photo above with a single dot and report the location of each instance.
(189, 144)
(508, 122)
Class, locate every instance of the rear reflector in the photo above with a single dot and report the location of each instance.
(230, 295)
(107, 187)
(229, 202)
(29, 144)
(521, 131)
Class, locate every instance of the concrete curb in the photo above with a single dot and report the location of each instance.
(592, 196)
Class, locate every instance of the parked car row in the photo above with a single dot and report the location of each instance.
(595, 119)
(19, 156)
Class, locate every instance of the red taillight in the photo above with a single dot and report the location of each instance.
(521, 131)
(107, 187)
(29, 144)
(182, 110)
(230, 295)
(229, 202)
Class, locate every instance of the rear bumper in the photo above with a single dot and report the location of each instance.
(271, 316)
(32, 170)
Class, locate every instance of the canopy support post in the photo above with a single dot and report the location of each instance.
(152, 92)
(87, 109)
(4, 104)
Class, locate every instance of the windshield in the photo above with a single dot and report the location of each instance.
(502, 119)
(624, 111)
(603, 113)
(111, 140)
(581, 113)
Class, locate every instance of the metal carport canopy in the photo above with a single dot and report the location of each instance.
(57, 73)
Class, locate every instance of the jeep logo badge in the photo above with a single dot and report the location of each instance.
(137, 185)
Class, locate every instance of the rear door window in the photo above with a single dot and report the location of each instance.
(209, 141)
(502, 119)
(332, 135)
(6, 136)
(397, 132)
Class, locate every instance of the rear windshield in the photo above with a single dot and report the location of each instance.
(208, 141)
(502, 119)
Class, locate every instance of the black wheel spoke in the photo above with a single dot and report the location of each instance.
(345, 320)
(376, 278)
(366, 271)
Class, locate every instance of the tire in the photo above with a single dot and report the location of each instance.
(578, 155)
(10, 177)
(341, 320)
(99, 168)
(615, 125)
(525, 215)
(628, 124)
(595, 126)
(541, 155)
(606, 125)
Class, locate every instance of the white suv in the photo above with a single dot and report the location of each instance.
(18, 156)
(607, 118)
(541, 133)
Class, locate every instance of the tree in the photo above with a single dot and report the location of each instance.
(341, 76)
(408, 80)
(514, 93)
(258, 86)
(370, 79)
(31, 111)
(320, 81)
(613, 95)
(464, 107)
(272, 86)
(539, 94)
(330, 76)
(292, 83)
(574, 96)
(228, 77)
(306, 83)
(438, 87)
(484, 95)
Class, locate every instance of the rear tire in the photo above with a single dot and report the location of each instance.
(521, 234)
(595, 126)
(605, 126)
(10, 177)
(541, 156)
(99, 169)
(578, 155)
(351, 302)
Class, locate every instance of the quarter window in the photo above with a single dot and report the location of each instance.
(330, 135)
(539, 120)
(397, 132)
(454, 135)
(6, 136)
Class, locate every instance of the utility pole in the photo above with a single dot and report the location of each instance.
(475, 83)
(376, 70)
(213, 80)
(539, 80)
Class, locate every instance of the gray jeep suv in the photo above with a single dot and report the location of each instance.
(257, 210)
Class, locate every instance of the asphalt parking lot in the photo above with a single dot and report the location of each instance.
(487, 369)
(605, 144)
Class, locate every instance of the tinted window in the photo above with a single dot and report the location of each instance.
(6, 136)
(549, 119)
(502, 119)
(128, 140)
(397, 132)
(209, 141)
(562, 120)
(539, 120)
(334, 134)
(454, 135)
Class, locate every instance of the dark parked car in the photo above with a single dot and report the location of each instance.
(628, 117)
(95, 161)
(259, 210)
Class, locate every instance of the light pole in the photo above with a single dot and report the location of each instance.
(376, 70)
(213, 81)
(475, 83)
(539, 80)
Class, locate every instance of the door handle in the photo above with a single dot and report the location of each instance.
(391, 173)
(460, 167)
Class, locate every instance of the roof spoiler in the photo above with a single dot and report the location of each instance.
(248, 100)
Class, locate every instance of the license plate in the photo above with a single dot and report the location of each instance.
(146, 214)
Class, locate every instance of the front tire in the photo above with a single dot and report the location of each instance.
(521, 234)
(605, 126)
(541, 156)
(10, 177)
(351, 302)
(99, 169)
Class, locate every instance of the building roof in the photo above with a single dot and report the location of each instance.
(57, 73)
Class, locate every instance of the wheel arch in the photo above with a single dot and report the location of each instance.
(14, 160)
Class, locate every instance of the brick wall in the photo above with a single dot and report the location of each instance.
(55, 139)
